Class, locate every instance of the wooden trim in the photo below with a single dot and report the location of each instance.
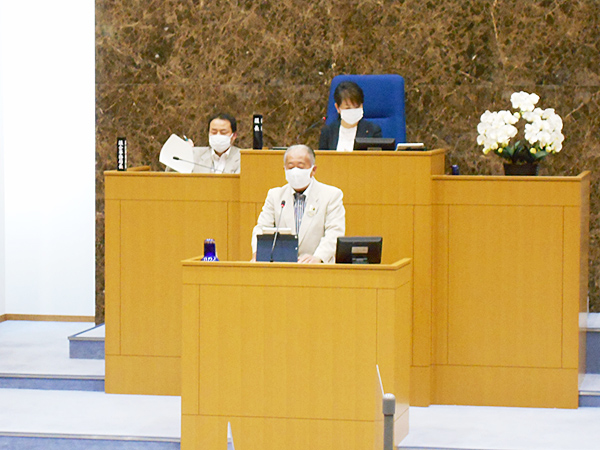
(47, 318)
(355, 153)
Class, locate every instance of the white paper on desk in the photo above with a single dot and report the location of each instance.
(175, 146)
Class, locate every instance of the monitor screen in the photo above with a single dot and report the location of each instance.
(374, 144)
(358, 250)
(285, 248)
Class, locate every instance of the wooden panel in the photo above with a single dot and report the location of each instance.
(401, 177)
(210, 432)
(506, 386)
(155, 237)
(422, 309)
(262, 170)
(403, 338)
(112, 278)
(387, 349)
(233, 234)
(420, 386)
(486, 190)
(143, 375)
(584, 230)
(247, 363)
(46, 318)
(289, 364)
(393, 223)
(440, 269)
(190, 346)
(171, 186)
(248, 218)
(293, 275)
(571, 282)
(505, 286)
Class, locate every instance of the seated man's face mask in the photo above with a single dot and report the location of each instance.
(219, 142)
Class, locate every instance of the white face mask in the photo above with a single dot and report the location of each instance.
(297, 177)
(351, 116)
(219, 142)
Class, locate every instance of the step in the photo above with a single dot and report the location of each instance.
(52, 382)
(53, 420)
(593, 344)
(88, 344)
(589, 392)
(39, 441)
(35, 355)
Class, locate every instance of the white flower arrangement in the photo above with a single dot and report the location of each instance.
(542, 133)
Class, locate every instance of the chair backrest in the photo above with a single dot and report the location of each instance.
(384, 102)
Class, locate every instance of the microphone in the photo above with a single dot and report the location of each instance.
(277, 230)
(177, 158)
(318, 122)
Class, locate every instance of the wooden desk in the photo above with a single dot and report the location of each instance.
(510, 286)
(287, 353)
(153, 221)
(457, 230)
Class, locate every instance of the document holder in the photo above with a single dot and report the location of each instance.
(286, 248)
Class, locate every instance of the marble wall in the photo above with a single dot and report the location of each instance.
(163, 66)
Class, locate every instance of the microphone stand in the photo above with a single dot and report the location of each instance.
(276, 230)
(177, 158)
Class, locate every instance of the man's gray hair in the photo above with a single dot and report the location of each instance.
(306, 148)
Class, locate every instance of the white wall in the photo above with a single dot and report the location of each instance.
(48, 129)
(2, 251)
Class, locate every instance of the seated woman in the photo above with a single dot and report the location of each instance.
(340, 135)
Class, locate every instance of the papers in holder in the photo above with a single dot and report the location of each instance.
(271, 230)
(408, 146)
(175, 146)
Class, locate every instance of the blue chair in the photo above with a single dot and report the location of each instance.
(384, 102)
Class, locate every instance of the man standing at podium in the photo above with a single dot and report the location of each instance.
(313, 210)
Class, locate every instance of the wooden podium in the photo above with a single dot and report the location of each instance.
(287, 354)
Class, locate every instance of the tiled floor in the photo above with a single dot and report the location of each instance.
(42, 348)
(89, 413)
(469, 427)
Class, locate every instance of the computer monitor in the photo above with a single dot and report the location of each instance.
(358, 250)
(374, 144)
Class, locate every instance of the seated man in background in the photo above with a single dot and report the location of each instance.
(221, 156)
(313, 210)
(340, 135)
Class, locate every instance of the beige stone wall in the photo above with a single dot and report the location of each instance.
(163, 67)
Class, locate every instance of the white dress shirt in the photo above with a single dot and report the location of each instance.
(346, 139)
(219, 162)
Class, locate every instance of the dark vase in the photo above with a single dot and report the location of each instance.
(530, 169)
